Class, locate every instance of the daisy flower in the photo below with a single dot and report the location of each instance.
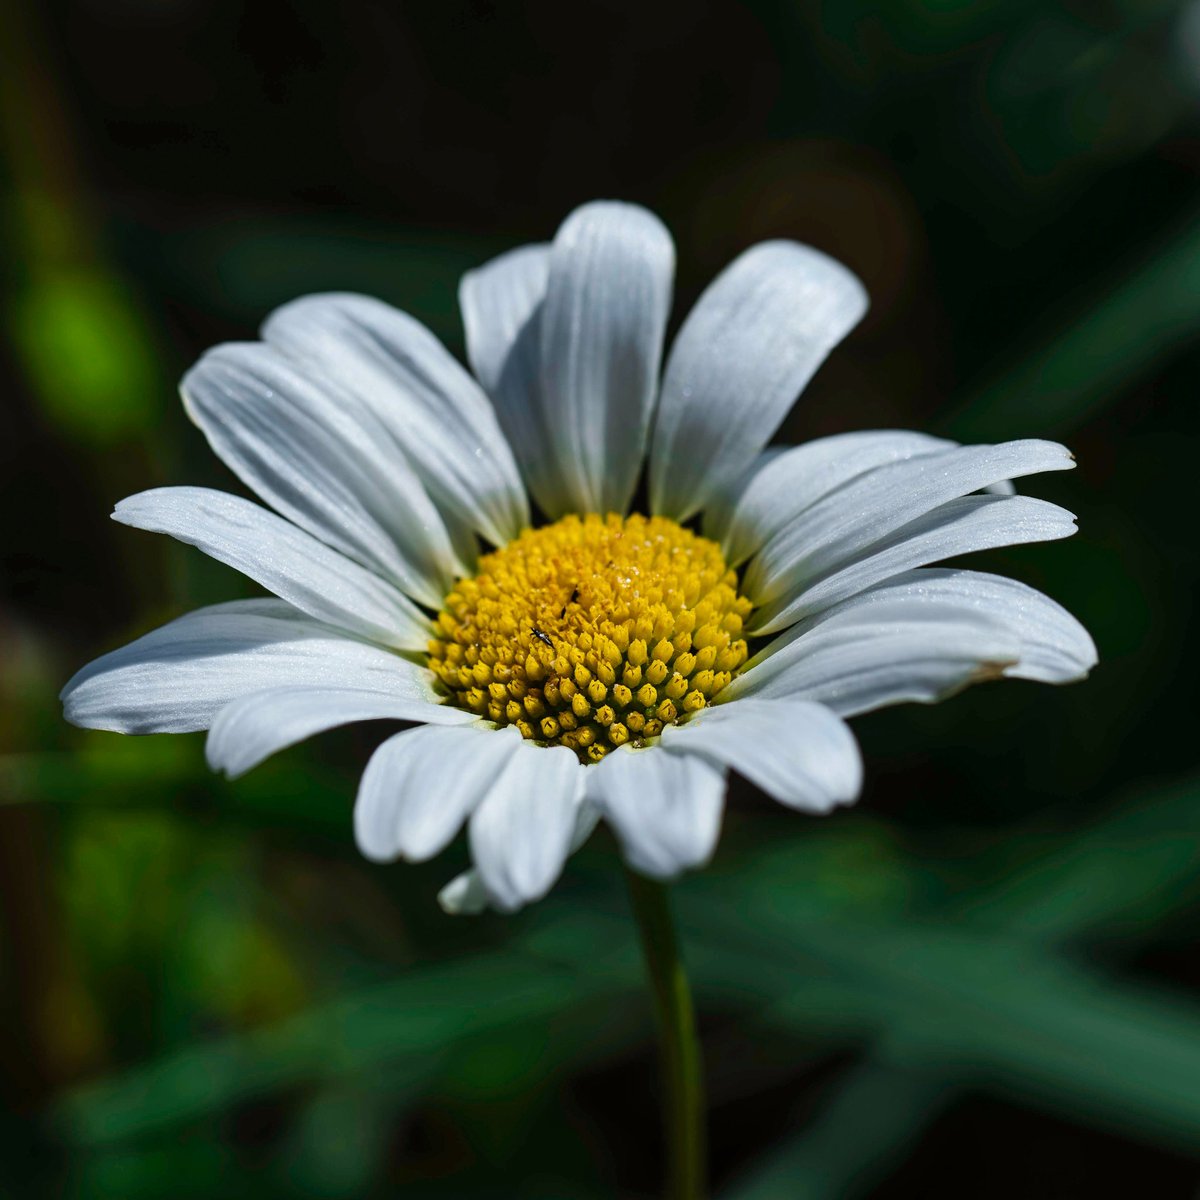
(579, 573)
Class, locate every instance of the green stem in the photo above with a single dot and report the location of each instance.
(683, 1088)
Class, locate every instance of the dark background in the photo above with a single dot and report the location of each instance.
(982, 981)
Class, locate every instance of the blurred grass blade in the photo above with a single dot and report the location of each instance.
(852, 1143)
(1124, 874)
(403, 1028)
(1003, 1014)
(984, 1003)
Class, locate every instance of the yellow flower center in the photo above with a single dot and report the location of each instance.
(592, 632)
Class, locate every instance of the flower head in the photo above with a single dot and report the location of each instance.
(593, 633)
(595, 662)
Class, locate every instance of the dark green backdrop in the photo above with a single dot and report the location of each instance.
(981, 982)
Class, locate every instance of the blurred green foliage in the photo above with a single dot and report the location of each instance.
(85, 356)
(981, 982)
(943, 975)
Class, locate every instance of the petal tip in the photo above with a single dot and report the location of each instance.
(463, 896)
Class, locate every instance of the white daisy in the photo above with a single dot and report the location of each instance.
(589, 663)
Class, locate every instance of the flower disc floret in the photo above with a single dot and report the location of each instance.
(593, 632)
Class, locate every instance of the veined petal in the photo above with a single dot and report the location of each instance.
(863, 661)
(497, 301)
(422, 784)
(664, 807)
(608, 296)
(432, 408)
(802, 754)
(520, 834)
(1054, 646)
(323, 461)
(249, 730)
(285, 559)
(754, 339)
(920, 636)
(723, 504)
(501, 306)
(870, 507)
(178, 677)
(797, 477)
(961, 526)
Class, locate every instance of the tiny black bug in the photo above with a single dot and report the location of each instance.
(574, 597)
(542, 637)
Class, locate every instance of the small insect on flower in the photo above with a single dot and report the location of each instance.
(572, 599)
(763, 597)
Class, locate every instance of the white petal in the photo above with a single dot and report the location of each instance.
(465, 894)
(802, 754)
(796, 478)
(179, 677)
(521, 833)
(723, 504)
(863, 661)
(608, 297)
(872, 506)
(502, 312)
(316, 456)
(755, 338)
(422, 784)
(587, 817)
(283, 558)
(1054, 646)
(426, 401)
(497, 301)
(665, 807)
(920, 636)
(249, 730)
(962, 526)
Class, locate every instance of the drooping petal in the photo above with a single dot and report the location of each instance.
(432, 408)
(801, 754)
(665, 807)
(797, 477)
(754, 339)
(422, 784)
(318, 457)
(872, 506)
(284, 559)
(520, 834)
(249, 730)
(608, 296)
(962, 526)
(465, 894)
(178, 677)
